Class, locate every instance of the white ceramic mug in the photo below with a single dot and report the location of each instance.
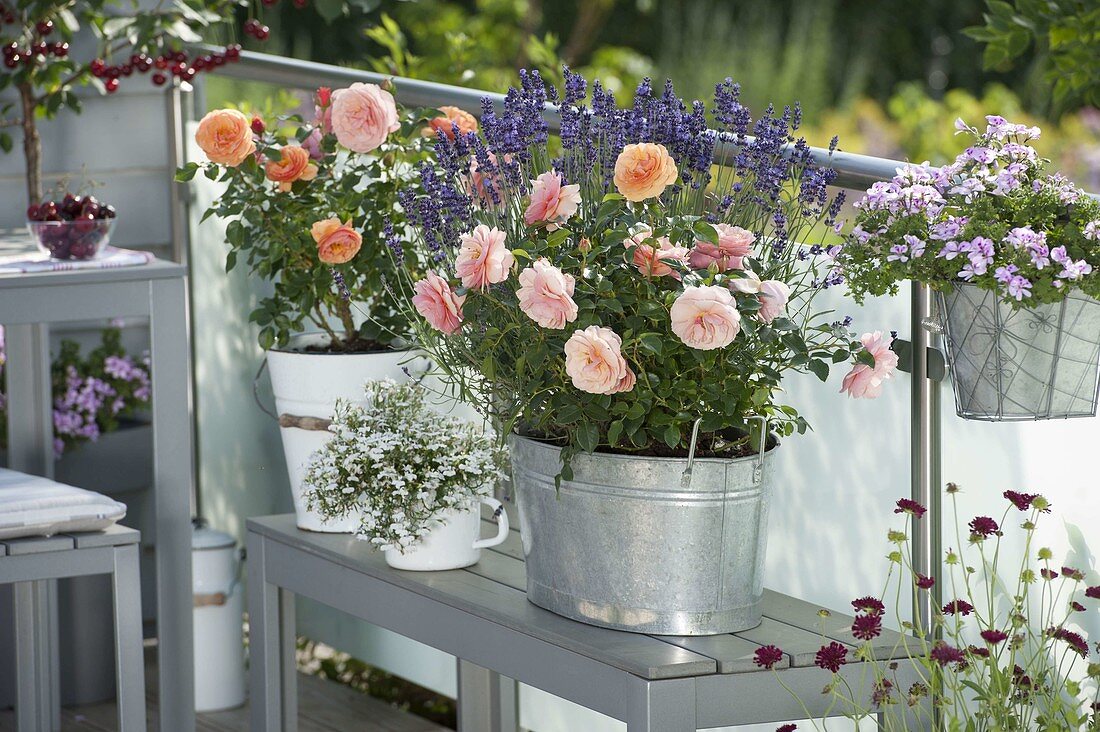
(454, 544)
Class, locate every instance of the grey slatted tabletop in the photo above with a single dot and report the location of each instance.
(482, 616)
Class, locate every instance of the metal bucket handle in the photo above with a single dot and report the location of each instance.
(758, 469)
(256, 391)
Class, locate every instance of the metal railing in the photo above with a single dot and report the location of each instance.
(854, 171)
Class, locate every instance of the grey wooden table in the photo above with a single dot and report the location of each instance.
(28, 304)
(481, 615)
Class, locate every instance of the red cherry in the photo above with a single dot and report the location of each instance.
(11, 61)
(40, 49)
(135, 58)
(218, 59)
(28, 57)
(262, 33)
(188, 74)
(161, 62)
(85, 222)
(44, 27)
(233, 52)
(180, 57)
(159, 79)
(301, 3)
(113, 72)
(48, 211)
(33, 212)
(200, 63)
(60, 49)
(127, 69)
(112, 86)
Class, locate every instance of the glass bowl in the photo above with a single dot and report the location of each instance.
(82, 239)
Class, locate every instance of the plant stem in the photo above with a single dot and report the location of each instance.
(32, 143)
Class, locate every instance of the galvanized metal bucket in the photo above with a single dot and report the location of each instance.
(644, 544)
(1025, 364)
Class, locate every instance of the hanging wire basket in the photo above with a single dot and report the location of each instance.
(1025, 364)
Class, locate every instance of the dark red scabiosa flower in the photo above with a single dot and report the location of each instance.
(882, 693)
(831, 657)
(958, 607)
(1073, 574)
(978, 652)
(911, 507)
(994, 636)
(944, 653)
(1021, 501)
(1048, 574)
(925, 583)
(1024, 685)
(1076, 606)
(1071, 639)
(867, 627)
(767, 656)
(871, 605)
(1093, 592)
(786, 728)
(981, 527)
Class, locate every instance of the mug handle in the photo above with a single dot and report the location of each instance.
(502, 525)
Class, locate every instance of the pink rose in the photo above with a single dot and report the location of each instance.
(483, 259)
(363, 115)
(546, 295)
(705, 317)
(484, 185)
(734, 244)
(865, 382)
(748, 285)
(594, 360)
(439, 305)
(652, 261)
(312, 145)
(773, 299)
(551, 202)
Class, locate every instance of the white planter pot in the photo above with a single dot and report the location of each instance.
(454, 544)
(307, 384)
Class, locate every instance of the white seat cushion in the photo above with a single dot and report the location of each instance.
(33, 506)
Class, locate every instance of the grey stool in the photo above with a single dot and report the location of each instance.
(31, 565)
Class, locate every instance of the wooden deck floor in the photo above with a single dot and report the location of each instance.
(323, 706)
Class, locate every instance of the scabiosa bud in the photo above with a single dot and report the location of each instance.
(767, 656)
(978, 652)
(958, 607)
(867, 627)
(1093, 592)
(789, 727)
(1076, 606)
(1048, 574)
(1073, 574)
(1073, 640)
(871, 605)
(925, 583)
(1021, 501)
(982, 527)
(911, 507)
(916, 692)
(831, 657)
(993, 636)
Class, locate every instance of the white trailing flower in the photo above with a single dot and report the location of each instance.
(399, 465)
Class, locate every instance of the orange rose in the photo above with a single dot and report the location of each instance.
(452, 116)
(644, 171)
(225, 135)
(293, 164)
(336, 243)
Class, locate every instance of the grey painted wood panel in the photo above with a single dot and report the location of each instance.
(38, 545)
(837, 626)
(111, 536)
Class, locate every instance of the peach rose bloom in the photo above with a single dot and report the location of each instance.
(363, 116)
(644, 170)
(336, 243)
(551, 202)
(651, 255)
(734, 244)
(748, 285)
(594, 361)
(865, 382)
(482, 258)
(705, 317)
(773, 299)
(293, 164)
(437, 302)
(225, 135)
(546, 295)
(452, 117)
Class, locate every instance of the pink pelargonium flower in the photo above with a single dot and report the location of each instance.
(551, 202)
(595, 363)
(734, 244)
(363, 116)
(865, 382)
(438, 303)
(546, 295)
(482, 258)
(773, 299)
(705, 317)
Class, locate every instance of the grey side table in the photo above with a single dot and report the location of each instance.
(28, 304)
(482, 616)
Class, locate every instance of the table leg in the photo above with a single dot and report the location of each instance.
(172, 480)
(30, 411)
(487, 701)
(26, 660)
(663, 706)
(272, 681)
(129, 663)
